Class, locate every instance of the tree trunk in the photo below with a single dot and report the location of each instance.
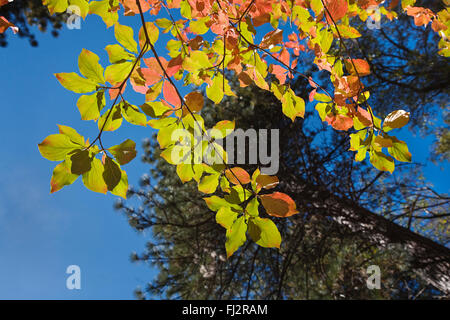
(430, 260)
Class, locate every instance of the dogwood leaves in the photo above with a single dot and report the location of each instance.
(207, 42)
(239, 210)
(78, 158)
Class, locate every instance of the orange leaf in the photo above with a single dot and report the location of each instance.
(194, 101)
(238, 173)
(362, 67)
(5, 24)
(279, 204)
(337, 9)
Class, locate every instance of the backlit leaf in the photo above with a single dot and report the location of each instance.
(278, 204)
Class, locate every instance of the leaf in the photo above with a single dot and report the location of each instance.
(194, 101)
(56, 6)
(81, 162)
(73, 82)
(264, 232)
(93, 179)
(91, 105)
(236, 236)
(209, 183)
(122, 187)
(215, 91)
(90, 67)
(382, 162)
(266, 181)
(124, 35)
(278, 204)
(395, 119)
(215, 203)
(362, 67)
(226, 216)
(62, 176)
(170, 94)
(124, 152)
(252, 207)
(133, 115)
(105, 10)
(112, 173)
(56, 147)
(152, 31)
(292, 105)
(117, 53)
(399, 150)
(111, 121)
(185, 172)
(340, 122)
(72, 134)
(155, 109)
(223, 128)
(117, 73)
(237, 175)
(197, 60)
(337, 9)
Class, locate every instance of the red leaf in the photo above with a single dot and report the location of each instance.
(170, 94)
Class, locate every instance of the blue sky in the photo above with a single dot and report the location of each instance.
(42, 234)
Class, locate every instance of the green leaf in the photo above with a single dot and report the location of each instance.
(117, 53)
(56, 147)
(56, 6)
(72, 134)
(124, 35)
(164, 135)
(62, 176)
(292, 105)
(117, 73)
(226, 216)
(124, 152)
(382, 162)
(199, 26)
(93, 179)
(91, 105)
(252, 207)
(89, 66)
(185, 172)
(163, 23)
(122, 187)
(264, 232)
(133, 115)
(152, 31)
(113, 120)
(209, 183)
(105, 10)
(399, 150)
(215, 91)
(83, 5)
(236, 236)
(155, 109)
(197, 61)
(73, 82)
